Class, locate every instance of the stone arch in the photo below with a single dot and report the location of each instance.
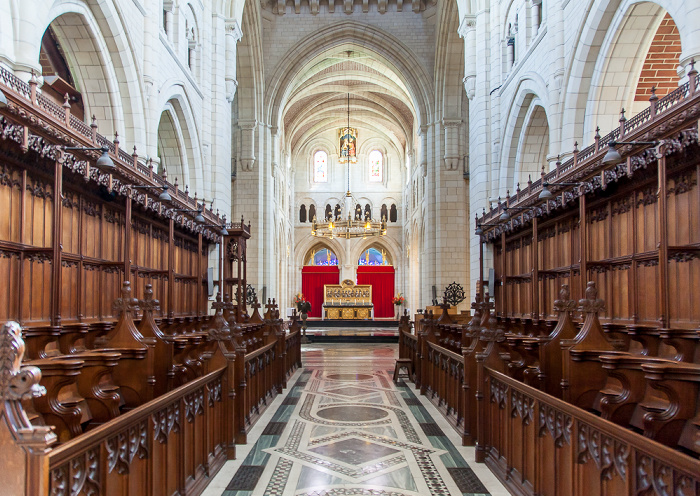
(518, 133)
(601, 41)
(170, 147)
(533, 146)
(88, 61)
(389, 245)
(176, 106)
(98, 58)
(306, 244)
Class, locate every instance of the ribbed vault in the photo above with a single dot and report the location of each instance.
(380, 103)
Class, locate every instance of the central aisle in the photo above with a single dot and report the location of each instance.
(343, 427)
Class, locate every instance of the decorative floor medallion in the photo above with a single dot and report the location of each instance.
(352, 434)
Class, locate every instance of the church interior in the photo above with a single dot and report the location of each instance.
(350, 248)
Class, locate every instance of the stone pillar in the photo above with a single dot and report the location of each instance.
(510, 51)
(467, 30)
(233, 36)
(168, 20)
(451, 156)
(479, 132)
(247, 144)
(536, 16)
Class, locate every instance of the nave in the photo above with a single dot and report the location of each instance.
(343, 427)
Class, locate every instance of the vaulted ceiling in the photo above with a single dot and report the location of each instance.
(379, 102)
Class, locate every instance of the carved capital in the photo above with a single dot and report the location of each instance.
(468, 24)
(233, 29)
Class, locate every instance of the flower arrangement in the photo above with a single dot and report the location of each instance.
(298, 300)
(398, 299)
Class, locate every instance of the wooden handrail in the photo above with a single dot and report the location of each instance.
(89, 439)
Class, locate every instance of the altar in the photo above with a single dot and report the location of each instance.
(347, 301)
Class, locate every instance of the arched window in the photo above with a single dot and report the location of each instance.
(384, 215)
(393, 214)
(329, 212)
(320, 167)
(321, 256)
(312, 212)
(368, 212)
(358, 212)
(374, 256)
(337, 212)
(376, 166)
(302, 213)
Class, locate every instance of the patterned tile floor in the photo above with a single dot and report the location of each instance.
(343, 428)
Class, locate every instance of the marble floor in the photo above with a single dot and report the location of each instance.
(343, 428)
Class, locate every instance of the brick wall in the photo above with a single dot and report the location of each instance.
(662, 60)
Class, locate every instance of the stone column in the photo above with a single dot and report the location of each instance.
(467, 30)
(233, 36)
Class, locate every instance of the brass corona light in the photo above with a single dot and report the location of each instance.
(349, 227)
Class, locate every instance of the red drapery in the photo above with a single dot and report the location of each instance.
(313, 277)
(381, 277)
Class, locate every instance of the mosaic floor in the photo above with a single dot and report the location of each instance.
(343, 428)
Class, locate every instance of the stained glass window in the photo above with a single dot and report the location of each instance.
(372, 256)
(320, 167)
(322, 257)
(376, 165)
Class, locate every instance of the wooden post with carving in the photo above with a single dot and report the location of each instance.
(25, 467)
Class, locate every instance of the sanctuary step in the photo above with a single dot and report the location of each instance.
(354, 334)
(326, 324)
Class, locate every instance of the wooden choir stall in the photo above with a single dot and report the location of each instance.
(347, 301)
(579, 372)
(114, 376)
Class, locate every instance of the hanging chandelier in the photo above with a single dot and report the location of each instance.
(348, 228)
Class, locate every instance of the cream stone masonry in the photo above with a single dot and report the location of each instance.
(466, 100)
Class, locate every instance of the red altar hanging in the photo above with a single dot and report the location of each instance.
(381, 277)
(313, 277)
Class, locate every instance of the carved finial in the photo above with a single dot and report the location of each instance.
(175, 183)
(94, 121)
(692, 65)
(126, 303)
(165, 174)
(16, 382)
(150, 163)
(187, 189)
(591, 291)
(564, 293)
(195, 197)
(135, 155)
(564, 303)
(575, 148)
(517, 188)
(653, 96)
(149, 303)
(622, 115)
(33, 78)
(597, 132)
(116, 138)
(542, 174)
(591, 304)
(529, 180)
(66, 101)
